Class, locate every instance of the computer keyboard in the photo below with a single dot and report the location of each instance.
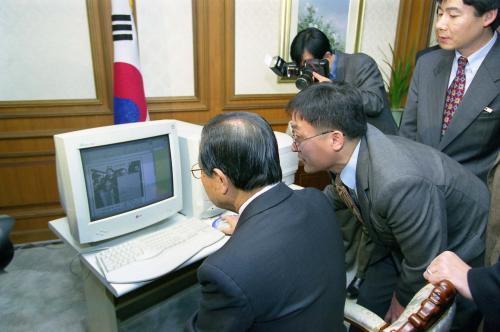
(150, 256)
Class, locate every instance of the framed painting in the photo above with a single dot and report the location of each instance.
(340, 20)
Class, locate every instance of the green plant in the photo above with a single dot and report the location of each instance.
(400, 77)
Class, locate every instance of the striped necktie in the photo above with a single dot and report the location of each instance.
(454, 94)
(345, 197)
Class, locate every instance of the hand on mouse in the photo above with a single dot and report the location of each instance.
(226, 224)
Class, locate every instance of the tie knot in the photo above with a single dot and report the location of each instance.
(462, 61)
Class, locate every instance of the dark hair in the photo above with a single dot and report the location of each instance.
(312, 40)
(327, 106)
(482, 6)
(243, 146)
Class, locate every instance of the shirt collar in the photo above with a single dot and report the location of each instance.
(475, 59)
(254, 196)
(348, 174)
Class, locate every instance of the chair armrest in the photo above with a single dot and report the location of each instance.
(362, 317)
(430, 305)
(431, 309)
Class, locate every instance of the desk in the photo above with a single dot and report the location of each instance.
(109, 304)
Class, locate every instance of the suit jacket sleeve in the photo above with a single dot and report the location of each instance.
(369, 80)
(484, 285)
(414, 211)
(223, 306)
(408, 127)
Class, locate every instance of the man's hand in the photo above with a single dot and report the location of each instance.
(450, 267)
(320, 78)
(395, 310)
(228, 224)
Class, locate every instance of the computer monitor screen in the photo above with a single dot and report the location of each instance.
(125, 176)
(117, 179)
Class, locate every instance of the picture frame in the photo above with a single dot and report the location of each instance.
(347, 25)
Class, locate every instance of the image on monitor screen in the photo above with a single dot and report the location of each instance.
(124, 176)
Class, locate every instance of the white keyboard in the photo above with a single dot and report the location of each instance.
(150, 256)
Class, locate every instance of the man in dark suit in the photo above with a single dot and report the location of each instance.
(454, 99)
(283, 267)
(358, 69)
(480, 284)
(413, 201)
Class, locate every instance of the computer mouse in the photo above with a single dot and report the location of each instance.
(220, 224)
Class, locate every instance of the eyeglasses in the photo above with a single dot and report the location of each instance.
(196, 171)
(296, 144)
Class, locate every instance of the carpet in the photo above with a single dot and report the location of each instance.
(42, 290)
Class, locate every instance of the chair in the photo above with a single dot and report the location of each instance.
(6, 248)
(431, 309)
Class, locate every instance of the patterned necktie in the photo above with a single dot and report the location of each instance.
(454, 94)
(344, 195)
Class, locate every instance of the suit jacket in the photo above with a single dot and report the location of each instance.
(484, 283)
(493, 231)
(282, 270)
(362, 71)
(416, 203)
(473, 137)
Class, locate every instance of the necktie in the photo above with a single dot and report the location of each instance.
(345, 197)
(454, 94)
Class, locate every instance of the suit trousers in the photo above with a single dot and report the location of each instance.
(376, 290)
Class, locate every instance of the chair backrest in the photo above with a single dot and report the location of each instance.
(431, 309)
(6, 248)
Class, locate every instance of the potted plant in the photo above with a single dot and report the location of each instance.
(399, 82)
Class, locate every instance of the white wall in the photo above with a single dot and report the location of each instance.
(379, 31)
(257, 32)
(45, 50)
(165, 33)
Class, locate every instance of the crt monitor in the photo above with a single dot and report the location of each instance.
(117, 179)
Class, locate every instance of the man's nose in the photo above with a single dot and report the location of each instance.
(441, 23)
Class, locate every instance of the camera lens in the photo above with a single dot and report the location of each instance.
(304, 80)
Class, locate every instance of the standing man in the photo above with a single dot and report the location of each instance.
(413, 201)
(358, 69)
(283, 267)
(454, 99)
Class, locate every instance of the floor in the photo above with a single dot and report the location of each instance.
(41, 290)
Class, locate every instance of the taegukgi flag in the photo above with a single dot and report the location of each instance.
(128, 88)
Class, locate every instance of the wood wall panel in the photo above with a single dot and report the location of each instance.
(27, 168)
(28, 181)
(414, 27)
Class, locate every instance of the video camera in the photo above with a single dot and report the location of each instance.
(303, 74)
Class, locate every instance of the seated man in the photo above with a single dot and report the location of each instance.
(283, 267)
(412, 201)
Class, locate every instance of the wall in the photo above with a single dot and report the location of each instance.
(198, 58)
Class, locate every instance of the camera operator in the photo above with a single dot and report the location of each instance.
(357, 69)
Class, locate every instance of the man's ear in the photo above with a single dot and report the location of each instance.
(337, 139)
(489, 17)
(222, 181)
